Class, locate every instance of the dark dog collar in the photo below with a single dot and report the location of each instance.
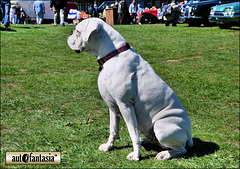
(126, 46)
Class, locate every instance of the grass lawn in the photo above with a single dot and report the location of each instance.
(49, 93)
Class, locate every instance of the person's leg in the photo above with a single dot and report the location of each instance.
(2, 6)
(174, 23)
(37, 19)
(55, 16)
(62, 12)
(119, 18)
(14, 19)
(41, 18)
(18, 21)
(6, 14)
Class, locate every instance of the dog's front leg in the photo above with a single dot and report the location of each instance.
(128, 113)
(114, 132)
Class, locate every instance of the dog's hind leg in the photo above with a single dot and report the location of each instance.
(114, 132)
(172, 138)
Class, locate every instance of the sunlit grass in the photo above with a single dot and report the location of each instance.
(49, 93)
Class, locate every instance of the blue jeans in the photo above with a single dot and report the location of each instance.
(5, 8)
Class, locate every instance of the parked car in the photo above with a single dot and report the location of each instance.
(187, 9)
(148, 16)
(151, 15)
(199, 12)
(226, 15)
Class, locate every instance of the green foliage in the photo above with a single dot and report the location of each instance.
(50, 99)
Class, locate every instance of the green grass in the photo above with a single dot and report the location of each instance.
(48, 94)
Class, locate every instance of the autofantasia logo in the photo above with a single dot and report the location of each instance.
(33, 158)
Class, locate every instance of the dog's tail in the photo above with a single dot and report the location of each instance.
(190, 142)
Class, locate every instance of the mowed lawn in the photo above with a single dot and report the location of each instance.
(50, 99)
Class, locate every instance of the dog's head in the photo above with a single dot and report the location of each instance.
(95, 37)
(79, 37)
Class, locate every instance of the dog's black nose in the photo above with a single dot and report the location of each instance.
(71, 32)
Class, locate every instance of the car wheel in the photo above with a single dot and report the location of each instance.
(146, 19)
(206, 22)
(225, 26)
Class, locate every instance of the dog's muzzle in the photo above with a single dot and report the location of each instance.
(72, 42)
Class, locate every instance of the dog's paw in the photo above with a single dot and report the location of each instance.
(133, 156)
(105, 147)
(169, 154)
(163, 155)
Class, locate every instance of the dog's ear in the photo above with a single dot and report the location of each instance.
(87, 27)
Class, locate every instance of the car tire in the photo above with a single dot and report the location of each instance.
(206, 22)
(146, 19)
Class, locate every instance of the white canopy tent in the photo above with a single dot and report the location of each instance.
(27, 6)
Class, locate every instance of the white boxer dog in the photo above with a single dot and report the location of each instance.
(132, 90)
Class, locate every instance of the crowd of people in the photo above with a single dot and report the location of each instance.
(11, 14)
(129, 15)
(14, 14)
(126, 15)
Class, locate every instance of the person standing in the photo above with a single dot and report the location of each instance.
(59, 10)
(39, 10)
(125, 13)
(22, 16)
(96, 10)
(133, 11)
(13, 16)
(91, 11)
(139, 9)
(119, 11)
(174, 16)
(5, 8)
(18, 12)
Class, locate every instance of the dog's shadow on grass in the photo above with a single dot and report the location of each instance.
(200, 148)
(122, 147)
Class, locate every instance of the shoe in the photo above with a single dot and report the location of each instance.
(55, 25)
(6, 25)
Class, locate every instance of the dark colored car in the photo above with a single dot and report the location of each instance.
(187, 9)
(199, 12)
(226, 15)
